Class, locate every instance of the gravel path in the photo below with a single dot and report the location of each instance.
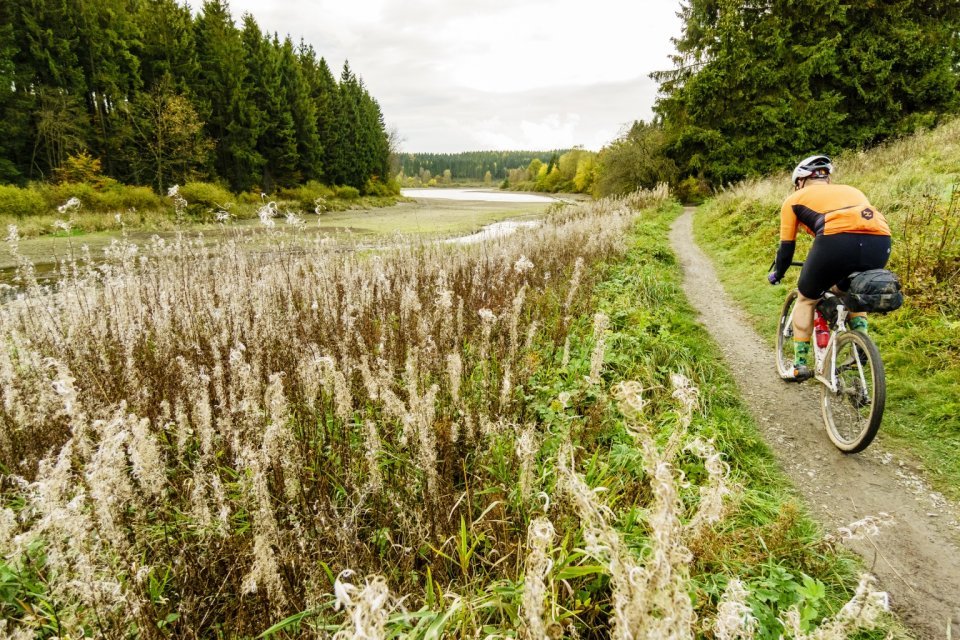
(916, 559)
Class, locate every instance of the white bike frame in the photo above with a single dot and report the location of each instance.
(830, 382)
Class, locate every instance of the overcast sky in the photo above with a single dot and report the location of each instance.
(491, 74)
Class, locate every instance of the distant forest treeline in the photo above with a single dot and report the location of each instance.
(470, 165)
(161, 96)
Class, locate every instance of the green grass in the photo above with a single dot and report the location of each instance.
(770, 542)
(920, 343)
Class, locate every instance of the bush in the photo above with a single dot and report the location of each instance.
(138, 197)
(376, 187)
(309, 196)
(81, 167)
(346, 192)
(692, 190)
(57, 194)
(250, 197)
(21, 203)
(201, 196)
(112, 197)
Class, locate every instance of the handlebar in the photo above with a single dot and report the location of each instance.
(792, 264)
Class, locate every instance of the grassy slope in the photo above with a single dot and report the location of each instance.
(769, 542)
(921, 342)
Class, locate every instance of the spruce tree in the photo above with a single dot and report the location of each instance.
(326, 98)
(758, 84)
(276, 135)
(303, 111)
(14, 124)
(106, 31)
(342, 161)
(167, 49)
(232, 118)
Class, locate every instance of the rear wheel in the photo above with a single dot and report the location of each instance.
(853, 412)
(785, 337)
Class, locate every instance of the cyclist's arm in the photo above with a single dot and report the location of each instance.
(784, 257)
(788, 239)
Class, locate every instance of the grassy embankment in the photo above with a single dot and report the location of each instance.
(914, 182)
(369, 218)
(507, 439)
(79, 208)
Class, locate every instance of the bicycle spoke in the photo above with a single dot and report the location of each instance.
(851, 412)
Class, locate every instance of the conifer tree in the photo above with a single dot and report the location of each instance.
(108, 77)
(14, 125)
(342, 164)
(276, 135)
(167, 48)
(303, 111)
(106, 31)
(326, 98)
(232, 118)
(757, 84)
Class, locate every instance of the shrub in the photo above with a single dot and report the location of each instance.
(202, 196)
(309, 196)
(21, 203)
(250, 197)
(692, 190)
(112, 197)
(138, 197)
(346, 192)
(57, 194)
(81, 167)
(376, 187)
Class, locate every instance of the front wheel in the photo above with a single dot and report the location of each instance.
(785, 337)
(852, 412)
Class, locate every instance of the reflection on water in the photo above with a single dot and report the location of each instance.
(495, 230)
(475, 195)
(44, 272)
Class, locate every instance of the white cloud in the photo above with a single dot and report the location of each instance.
(454, 76)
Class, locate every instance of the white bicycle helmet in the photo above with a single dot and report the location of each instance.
(820, 165)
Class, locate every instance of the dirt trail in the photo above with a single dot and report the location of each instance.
(917, 559)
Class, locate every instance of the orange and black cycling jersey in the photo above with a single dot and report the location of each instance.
(828, 209)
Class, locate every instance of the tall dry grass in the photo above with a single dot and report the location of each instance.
(202, 441)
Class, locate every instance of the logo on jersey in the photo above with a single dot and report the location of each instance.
(867, 214)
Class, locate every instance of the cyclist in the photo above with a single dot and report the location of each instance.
(850, 235)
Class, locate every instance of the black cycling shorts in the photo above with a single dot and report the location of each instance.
(833, 258)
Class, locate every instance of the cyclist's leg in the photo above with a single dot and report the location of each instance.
(874, 251)
(822, 269)
(802, 333)
(803, 317)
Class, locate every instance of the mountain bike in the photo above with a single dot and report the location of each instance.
(848, 367)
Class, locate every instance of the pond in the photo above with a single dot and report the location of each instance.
(475, 195)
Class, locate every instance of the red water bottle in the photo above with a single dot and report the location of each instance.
(821, 330)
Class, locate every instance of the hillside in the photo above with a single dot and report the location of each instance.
(914, 182)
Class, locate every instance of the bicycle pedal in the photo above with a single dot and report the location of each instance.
(800, 374)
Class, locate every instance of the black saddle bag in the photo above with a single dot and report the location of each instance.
(875, 291)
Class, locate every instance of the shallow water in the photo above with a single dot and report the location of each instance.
(475, 195)
(495, 230)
